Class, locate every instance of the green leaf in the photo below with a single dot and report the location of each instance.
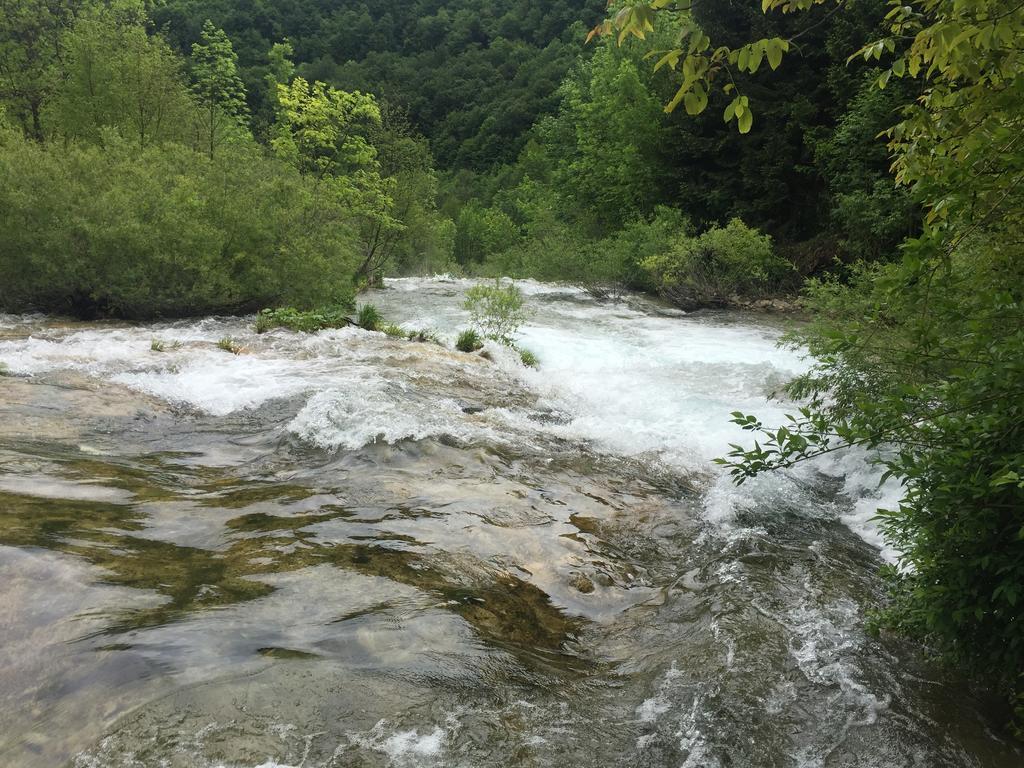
(746, 121)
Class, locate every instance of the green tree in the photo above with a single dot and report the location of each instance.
(607, 111)
(217, 87)
(921, 360)
(118, 77)
(31, 51)
(326, 133)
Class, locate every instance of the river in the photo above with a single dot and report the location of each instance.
(340, 549)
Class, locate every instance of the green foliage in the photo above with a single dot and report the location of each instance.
(114, 210)
(158, 345)
(324, 130)
(481, 233)
(474, 75)
(228, 344)
(872, 214)
(723, 262)
(306, 322)
(117, 77)
(394, 331)
(163, 231)
(218, 88)
(527, 357)
(606, 107)
(469, 341)
(369, 318)
(31, 47)
(496, 310)
(424, 335)
(922, 361)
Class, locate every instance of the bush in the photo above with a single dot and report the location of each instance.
(306, 322)
(469, 341)
(393, 331)
(497, 310)
(369, 318)
(724, 262)
(937, 395)
(164, 231)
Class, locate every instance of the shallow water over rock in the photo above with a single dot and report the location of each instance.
(345, 550)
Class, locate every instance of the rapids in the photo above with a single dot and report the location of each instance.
(340, 549)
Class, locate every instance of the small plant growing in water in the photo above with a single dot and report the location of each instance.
(469, 341)
(4, 370)
(228, 344)
(527, 357)
(424, 334)
(369, 318)
(497, 310)
(335, 316)
(393, 331)
(159, 345)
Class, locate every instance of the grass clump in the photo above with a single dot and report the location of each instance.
(369, 318)
(394, 331)
(228, 344)
(303, 321)
(423, 335)
(4, 370)
(527, 357)
(159, 345)
(469, 341)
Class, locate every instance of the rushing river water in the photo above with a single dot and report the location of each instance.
(344, 550)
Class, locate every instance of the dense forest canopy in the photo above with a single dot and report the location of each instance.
(473, 75)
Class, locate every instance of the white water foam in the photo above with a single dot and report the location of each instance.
(631, 379)
(643, 381)
(369, 413)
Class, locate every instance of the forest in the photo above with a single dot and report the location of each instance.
(861, 159)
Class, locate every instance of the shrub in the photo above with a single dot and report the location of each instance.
(497, 310)
(164, 231)
(306, 322)
(709, 270)
(469, 341)
(369, 318)
(394, 331)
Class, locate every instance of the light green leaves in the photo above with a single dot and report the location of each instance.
(749, 57)
(739, 109)
(696, 101)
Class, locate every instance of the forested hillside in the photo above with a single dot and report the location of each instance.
(480, 79)
(473, 75)
(555, 157)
